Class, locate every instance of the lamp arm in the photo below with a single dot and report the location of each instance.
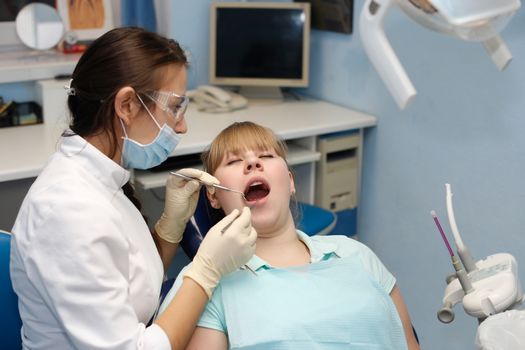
(380, 52)
(498, 51)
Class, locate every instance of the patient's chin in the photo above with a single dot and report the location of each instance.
(264, 225)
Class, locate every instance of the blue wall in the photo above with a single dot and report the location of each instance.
(189, 24)
(465, 127)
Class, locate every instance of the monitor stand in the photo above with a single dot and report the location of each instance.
(265, 93)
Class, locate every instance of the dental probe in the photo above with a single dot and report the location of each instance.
(220, 187)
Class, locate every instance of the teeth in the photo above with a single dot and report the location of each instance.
(256, 183)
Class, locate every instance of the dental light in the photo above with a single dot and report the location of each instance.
(472, 20)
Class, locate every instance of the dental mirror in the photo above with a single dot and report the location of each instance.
(39, 26)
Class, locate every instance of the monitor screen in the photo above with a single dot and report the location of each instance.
(260, 44)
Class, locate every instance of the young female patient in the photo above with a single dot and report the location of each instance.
(322, 292)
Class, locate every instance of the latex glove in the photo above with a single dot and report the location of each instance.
(222, 253)
(181, 200)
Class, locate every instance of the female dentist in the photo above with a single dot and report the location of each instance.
(84, 264)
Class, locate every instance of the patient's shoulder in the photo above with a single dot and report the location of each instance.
(345, 247)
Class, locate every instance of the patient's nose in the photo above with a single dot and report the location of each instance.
(253, 163)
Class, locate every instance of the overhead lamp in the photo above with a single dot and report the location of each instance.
(471, 20)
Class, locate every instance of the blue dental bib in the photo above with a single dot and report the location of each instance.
(332, 304)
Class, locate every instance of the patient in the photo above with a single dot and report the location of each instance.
(327, 292)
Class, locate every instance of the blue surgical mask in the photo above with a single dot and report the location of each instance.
(139, 156)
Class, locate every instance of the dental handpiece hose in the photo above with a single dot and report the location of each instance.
(460, 272)
(462, 275)
(463, 252)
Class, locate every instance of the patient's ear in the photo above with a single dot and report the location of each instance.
(214, 202)
(292, 183)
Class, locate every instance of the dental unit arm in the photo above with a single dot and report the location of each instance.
(486, 287)
(472, 20)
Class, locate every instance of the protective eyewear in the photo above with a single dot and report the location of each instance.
(170, 102)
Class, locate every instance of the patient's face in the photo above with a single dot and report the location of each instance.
(267, 183)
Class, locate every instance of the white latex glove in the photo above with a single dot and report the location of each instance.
(222, 253)
(180, 203)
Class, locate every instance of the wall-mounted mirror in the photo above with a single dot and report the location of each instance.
(39, 26)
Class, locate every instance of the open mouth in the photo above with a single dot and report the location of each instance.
(256, 190)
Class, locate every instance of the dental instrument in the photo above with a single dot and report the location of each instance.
(220, 187)
(445, 314)
(489, 286)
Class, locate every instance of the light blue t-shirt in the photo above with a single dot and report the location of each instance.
(339, 301)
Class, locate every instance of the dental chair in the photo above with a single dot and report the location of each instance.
(10, 322)
(313, 221)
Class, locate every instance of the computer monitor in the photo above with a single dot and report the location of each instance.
(260, 47)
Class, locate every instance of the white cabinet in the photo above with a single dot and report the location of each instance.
(38, 70)
(33, 65)
(51, 95)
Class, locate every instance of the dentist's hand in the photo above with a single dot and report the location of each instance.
(222, 253)
(180, 203)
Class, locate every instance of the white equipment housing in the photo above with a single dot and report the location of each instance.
(492, 284)
(496, 288)
(473, 20)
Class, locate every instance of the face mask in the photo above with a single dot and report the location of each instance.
(139, 156)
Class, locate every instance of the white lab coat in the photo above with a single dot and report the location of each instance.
(83, 262)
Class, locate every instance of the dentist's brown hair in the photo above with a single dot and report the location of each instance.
(126, 56)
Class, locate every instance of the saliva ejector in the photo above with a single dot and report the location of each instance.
(486, 287)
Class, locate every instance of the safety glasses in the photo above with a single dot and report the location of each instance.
(170, 102)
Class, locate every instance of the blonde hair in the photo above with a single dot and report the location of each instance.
(241, 136)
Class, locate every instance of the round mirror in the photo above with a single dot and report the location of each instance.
(39, 26)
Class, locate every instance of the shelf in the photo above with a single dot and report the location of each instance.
(147, 180)
(34, 65)
(300, 155)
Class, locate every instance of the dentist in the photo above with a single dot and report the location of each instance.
(85, 267)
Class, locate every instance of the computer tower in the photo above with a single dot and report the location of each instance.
(337, 177)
